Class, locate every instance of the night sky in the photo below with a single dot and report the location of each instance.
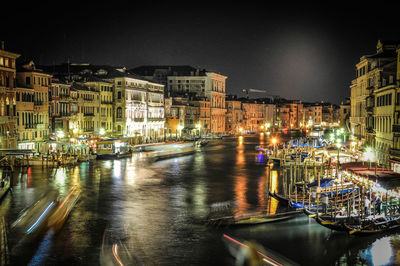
(305, 52)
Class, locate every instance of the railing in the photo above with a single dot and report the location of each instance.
(155, 119)
(106, 102)
(38, 102)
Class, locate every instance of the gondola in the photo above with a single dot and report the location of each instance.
(373, 226)
(253, 219)
(338, 225)
(301, 200)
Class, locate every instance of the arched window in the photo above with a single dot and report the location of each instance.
(119, 112)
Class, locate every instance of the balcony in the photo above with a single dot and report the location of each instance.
(155, 119)
(38, 102)
(138, 119)
(396, 128)
(89, 129)
(106, 102)
(394, 152)
(370, 130)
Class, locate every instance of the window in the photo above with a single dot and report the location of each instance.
(28, 80)
(119, 95)
(119, 112)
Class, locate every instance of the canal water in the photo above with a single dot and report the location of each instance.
(157, 210)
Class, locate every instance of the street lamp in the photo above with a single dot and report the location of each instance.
(274, 140)
(60, 134)
(102, 131)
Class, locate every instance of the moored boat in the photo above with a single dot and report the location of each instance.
(57, 219)
(247, 220)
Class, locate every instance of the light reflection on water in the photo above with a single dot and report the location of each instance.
(158, 208)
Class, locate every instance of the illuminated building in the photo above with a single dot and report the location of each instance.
(104, 116)
(234, 115)
(138, 108)
(8, 137)
(88, 110)
(253, 115)
(312, 114)
(25, 112)
(189, 82)
(344, 113)
(290, 114)
(28, 76)
(60, 106)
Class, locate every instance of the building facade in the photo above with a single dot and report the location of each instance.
(8, 134)
(28, 76)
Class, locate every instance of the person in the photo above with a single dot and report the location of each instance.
(366, 205)
(325, 203)
(314, 197)
(378, 203)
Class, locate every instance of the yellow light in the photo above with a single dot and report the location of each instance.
(274, 140)
(180, 127)
(198, 126)
(262, 127)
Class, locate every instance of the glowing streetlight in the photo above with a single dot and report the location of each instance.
(369, 155)
(102, 131)
(274, 140)
(60, 134)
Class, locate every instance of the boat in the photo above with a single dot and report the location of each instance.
(35, 161)
(373, 226)
(251, 253)
(203, 143)
(57, 219)
(162, 146)
(248, 220)
(5, 182)
(172, 153)
(302, 200)
(112, 148)
(117, 251)
(33, 220)
(86, 158)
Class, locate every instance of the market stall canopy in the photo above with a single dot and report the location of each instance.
(361, 169)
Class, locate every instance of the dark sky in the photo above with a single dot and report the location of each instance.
(305, 52)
